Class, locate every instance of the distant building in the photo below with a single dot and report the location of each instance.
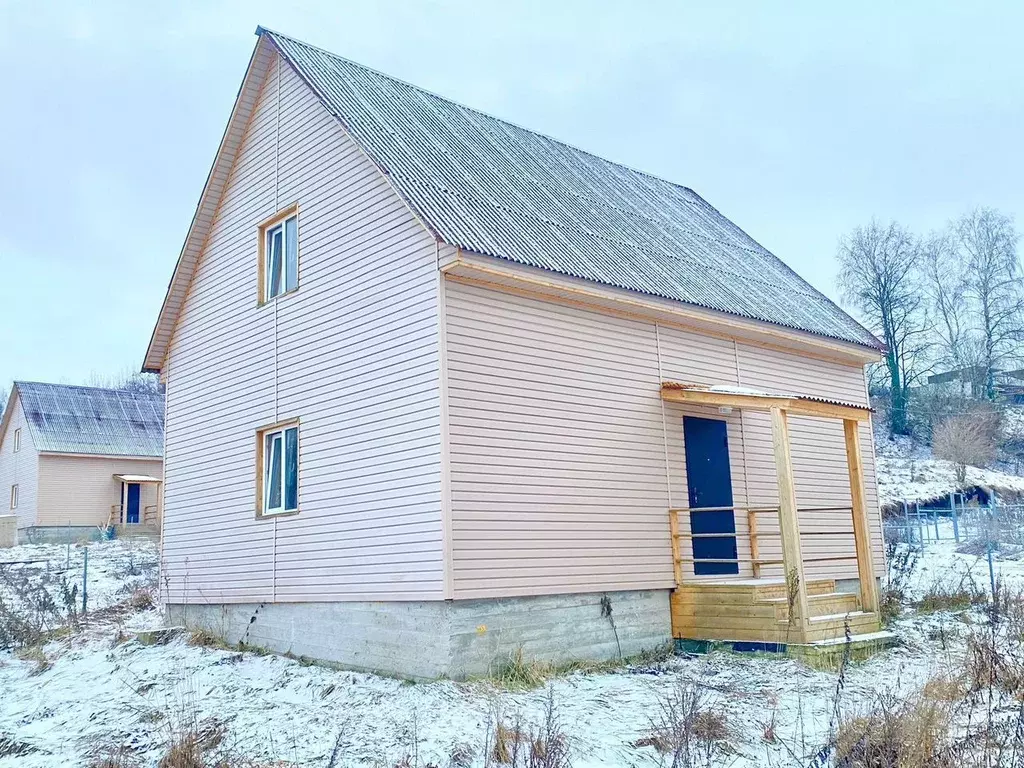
(970, 382)
(77, 459)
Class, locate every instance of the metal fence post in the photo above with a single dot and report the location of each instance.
(956, 523)
(85, 580)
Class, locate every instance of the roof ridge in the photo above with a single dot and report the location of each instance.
(23, 382)
(261, 30)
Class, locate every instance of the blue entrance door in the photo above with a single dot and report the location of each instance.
(709, 483)
(131, 512)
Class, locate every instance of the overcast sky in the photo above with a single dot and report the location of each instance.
(797, 121)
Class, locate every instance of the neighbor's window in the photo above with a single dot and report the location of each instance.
(14, 497)
(279, 254)
(17, 439)
(278, 450)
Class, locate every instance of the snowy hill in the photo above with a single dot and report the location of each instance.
(907, 471)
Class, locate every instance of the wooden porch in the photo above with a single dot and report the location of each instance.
(786, 607)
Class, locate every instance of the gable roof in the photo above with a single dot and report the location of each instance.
(91, 420)
(496, 189)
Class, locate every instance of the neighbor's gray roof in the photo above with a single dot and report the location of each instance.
(493, 188)
(108, 422)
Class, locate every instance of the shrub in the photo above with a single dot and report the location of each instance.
(941, 595)
(544, 746)
(901, 562)
(967, 440)
(913, 732)
(687, 729)
(33, 604)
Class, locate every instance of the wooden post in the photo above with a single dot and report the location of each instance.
(789, 524)
(861, 528)
(677, 564)
(755, 547)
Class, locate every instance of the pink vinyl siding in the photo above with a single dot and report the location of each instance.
(80, 490)
(353, 354)
(20, 468)
(564, 461)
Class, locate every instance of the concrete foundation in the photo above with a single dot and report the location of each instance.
(8, 531)
(454, 638)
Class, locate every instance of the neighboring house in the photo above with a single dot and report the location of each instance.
(435, 382)
(75, 459)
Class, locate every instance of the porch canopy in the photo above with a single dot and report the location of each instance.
(137, 479)
(781, 405)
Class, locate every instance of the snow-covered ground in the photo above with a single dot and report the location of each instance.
(102, 690)
(908, 472)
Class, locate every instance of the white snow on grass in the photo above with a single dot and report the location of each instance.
(103, 691)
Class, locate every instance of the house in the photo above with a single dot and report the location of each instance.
(440, 389)
(74, 460)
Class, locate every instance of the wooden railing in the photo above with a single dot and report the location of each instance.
(755, 535)
(148, 515)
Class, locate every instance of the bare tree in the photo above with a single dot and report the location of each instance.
(968, 440)
(946, 285)
(985, 243)
(880, 277)
(129, 381)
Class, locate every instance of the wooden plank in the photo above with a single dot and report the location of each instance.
(794, 405)
(677, 565)
(861, 524)
(788, 520)
(755, 547)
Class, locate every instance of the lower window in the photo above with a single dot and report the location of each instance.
(278, 449)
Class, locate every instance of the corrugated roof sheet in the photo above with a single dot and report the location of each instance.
(732, 389)
(494, 188)
(108, 422)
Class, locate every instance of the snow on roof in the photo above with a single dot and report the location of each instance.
(91, 420)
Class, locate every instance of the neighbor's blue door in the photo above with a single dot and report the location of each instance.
(131, 513)
(710, 485)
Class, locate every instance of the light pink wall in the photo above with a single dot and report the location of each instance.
(353, 354)
(21, 468)
(80, 490)
(564, 460)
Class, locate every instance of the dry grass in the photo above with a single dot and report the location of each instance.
(142, 599)
(37, 657)
(510, 743)
(521, 674)
(688, 730)
(944, 596)
(115, 757)
(901, 563)
(914, 732)
(204, 639)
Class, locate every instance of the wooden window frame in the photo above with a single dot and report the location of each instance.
(17, 439)
(261, 253)
(14, 496)
(261, 432)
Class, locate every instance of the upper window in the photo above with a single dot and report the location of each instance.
(14, 497)
(17, 439)
(278, 449)
(279, 254)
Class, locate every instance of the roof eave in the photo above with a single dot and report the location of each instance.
(163, 330)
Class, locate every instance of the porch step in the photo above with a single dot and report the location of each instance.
(777, 589)
(137, 531)
(757, 611)
(820, 605)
